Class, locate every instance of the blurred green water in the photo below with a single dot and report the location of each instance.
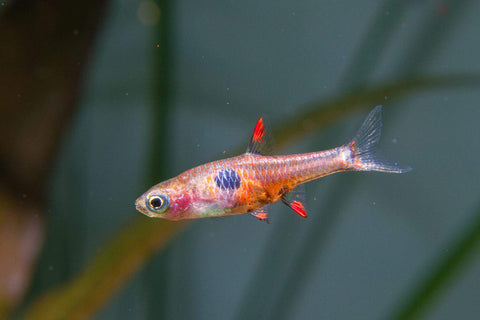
(231, 62)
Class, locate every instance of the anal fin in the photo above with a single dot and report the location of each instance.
(295, 199)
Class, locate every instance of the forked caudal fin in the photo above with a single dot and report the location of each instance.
(364, 147)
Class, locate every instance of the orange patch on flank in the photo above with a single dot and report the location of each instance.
(210, 185)
(298, 207)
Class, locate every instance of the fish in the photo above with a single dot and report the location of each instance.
(250, 182)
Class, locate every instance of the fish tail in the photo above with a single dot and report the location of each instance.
(366, 156)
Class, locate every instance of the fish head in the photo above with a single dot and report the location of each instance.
(168, 200)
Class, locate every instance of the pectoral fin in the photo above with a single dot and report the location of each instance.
(260, 214)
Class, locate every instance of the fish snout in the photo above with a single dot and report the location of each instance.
(140, 206)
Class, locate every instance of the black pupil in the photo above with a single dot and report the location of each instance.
(156, 202)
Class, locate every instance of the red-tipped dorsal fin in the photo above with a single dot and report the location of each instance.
(261, 141)
(295, 199)
(258, 131)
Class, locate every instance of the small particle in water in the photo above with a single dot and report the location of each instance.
(228, 89)
(126, 93)
(374, 203)
(386, 98)
(198, 145)
(75, 32)
(228, 102)
(224, 151)
(50, 268)
(394, 140)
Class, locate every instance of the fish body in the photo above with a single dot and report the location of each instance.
(251, 181)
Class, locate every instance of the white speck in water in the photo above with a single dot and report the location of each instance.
(228, 89)
(394, 140)
(228, 102)
(126, 93)
(374, 203)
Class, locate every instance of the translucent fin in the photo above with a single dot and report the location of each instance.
(261, 214)
(366, 156)
(261, 141)
(295, 199)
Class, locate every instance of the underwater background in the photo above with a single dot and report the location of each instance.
(168, 85)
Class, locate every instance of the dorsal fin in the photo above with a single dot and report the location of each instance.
(261, 141)
(295, 199)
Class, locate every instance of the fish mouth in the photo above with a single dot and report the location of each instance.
(140, 206)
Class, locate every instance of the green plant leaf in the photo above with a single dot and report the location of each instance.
(108, 271)
(443, 273)
(129, 250)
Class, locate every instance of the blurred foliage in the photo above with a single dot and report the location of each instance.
(131, 248)
(441, 274)
(109, 270)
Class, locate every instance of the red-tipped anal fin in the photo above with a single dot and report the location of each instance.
(299, 208)
(295, 199)
(261, 141)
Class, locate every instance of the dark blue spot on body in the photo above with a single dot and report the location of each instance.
(228, 179)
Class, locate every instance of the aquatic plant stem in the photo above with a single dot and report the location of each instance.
(441, 274)
(131, 248)
(109, 270)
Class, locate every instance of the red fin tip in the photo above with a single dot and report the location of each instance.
(259, 131)
(299, 209)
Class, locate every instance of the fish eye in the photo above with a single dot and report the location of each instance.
(157, 203)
